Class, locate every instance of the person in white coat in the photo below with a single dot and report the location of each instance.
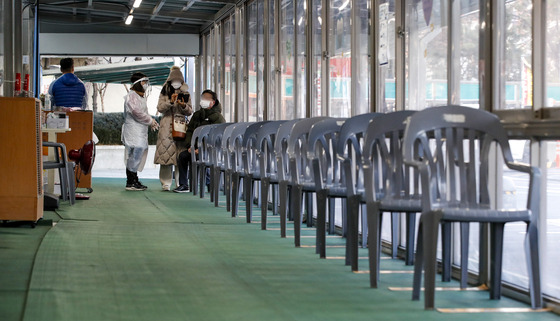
(134, 136)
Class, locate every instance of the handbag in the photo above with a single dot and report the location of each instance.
(179, 131)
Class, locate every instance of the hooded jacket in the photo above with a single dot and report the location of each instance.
(205, 116)
(68, 91)
(166, 148)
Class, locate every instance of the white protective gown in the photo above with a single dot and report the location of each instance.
(134, 135)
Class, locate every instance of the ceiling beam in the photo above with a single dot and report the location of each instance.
(138, 14)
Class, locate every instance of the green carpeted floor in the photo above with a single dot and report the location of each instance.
(157, 255)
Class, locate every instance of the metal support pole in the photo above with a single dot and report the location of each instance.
(309, 70)
(277, 65)
(18, 40)
(375, 72)
(355, 56)
(400, 76)
(266, 67)
(454, 53)
(325, 62)
(9, 75)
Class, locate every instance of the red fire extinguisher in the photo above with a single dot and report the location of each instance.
(26, 83)
(17, 88)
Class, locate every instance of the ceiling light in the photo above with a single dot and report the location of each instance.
(300, 21)
(344, 5)
(128, 19)
(137, 3)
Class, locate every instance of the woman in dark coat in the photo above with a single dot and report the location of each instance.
(210, 112)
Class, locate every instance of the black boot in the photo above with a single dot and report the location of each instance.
(129, 179)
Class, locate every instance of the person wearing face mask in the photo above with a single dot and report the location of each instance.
(134, 134)
(174, 99)
(210, 112)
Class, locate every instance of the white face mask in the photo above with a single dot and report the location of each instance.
(205, 103)
(176, 84)
(145, 86)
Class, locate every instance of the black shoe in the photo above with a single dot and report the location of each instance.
(135, 186)
(141, 185)
(181, 189)
(137, 183)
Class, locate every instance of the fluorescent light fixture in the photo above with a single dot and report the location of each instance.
(320, 20)
(300, 21)
(137, 3)
(344, 5)
(128, 19)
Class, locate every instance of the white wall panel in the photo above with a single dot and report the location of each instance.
(79, 44)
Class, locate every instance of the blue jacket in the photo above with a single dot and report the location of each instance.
(68, 91)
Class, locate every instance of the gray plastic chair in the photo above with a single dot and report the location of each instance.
(442, 144)
(349, 153)
(194, 160)
(250, 151)
(200, 140)
(217, 160)
(388, 186)
(65, 171)
(282, 170)
(236, 164)
(226, 156)
(328, 175)
(301, 173)
(266, 139)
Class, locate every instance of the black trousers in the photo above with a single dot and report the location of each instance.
(185, 165)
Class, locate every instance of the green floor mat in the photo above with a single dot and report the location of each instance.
(157, 255)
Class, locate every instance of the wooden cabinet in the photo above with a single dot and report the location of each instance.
(21, 165)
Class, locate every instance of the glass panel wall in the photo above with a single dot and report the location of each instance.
(203, 63)
(242, 84)
(210, 60)
(517, 93)
(301, 54)
(217, 85)
(553, 54)
(550, 259)
(252, 33)
(340, 65)
(426, 49)
(231, 67)
(270, 97)
(316, 104)
(228, 50)
(386, 52)
(469, 44)
(260, 62)
(287, 59)
(514, 192)
(363, 53)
